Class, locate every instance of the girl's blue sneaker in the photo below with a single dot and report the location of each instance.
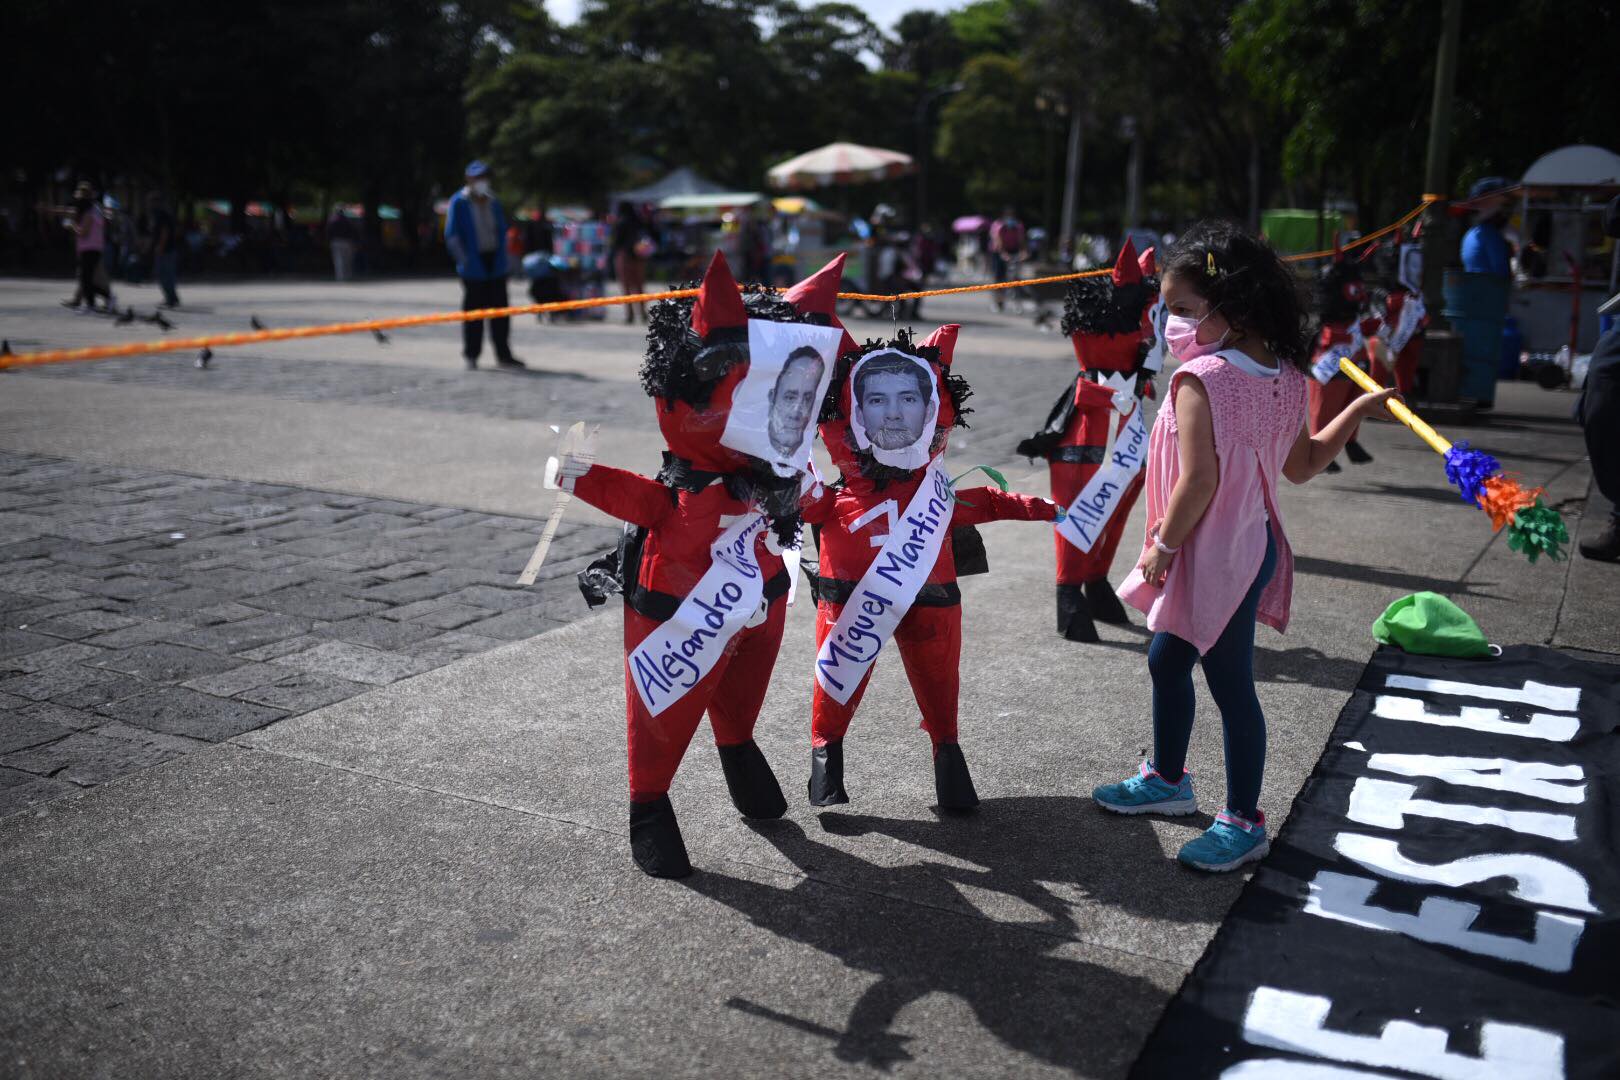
(1228, 844)
(1148, 793)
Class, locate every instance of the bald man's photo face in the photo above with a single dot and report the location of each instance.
(775, 406)
(794, 401)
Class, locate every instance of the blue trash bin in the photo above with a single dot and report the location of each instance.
(1477, 304)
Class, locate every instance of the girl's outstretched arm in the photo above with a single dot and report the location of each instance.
(1195, 487)
(1312, 453)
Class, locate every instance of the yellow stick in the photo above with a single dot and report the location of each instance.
(1437, 442)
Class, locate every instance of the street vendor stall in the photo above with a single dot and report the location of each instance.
(1567, 267)
(696, 226)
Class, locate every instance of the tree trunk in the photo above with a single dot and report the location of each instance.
(1071, 178)
(1254, 182)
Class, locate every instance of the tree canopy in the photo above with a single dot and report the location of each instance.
(1235, 103)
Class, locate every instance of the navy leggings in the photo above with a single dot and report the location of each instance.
(1229, 670)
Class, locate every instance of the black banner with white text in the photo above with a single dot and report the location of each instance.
(1444, 899)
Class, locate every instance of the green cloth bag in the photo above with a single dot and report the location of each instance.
(1429, 624)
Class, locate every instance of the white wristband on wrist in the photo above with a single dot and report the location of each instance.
(1161, 545)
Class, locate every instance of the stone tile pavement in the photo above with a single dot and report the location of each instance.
(145, 614)
(532, 395)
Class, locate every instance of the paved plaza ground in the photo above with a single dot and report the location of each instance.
(295, 780)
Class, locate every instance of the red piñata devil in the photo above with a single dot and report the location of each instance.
(1110, 321)
(704, 584)
(1341, 301)
(893, 535)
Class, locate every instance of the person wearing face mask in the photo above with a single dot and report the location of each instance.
(1216, 558)
(1484, 249)
(474, 231)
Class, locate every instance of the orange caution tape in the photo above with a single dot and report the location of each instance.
(143, 348)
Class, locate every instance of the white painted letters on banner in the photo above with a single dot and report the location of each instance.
(1443, 921)
(1284, 1020)
(1536, 878)
(1556, 698)
(1552, 727)
(675, 657)
(887, 589)
(1089, 513)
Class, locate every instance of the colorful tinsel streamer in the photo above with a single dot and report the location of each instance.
(1534, 529)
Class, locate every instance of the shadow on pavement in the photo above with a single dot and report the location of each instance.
(1423, 494)
(1308, 667)
(1391, 579)
(939, 942)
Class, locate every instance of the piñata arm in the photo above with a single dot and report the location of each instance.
(815, 509)
(625, 495)
(981, 505)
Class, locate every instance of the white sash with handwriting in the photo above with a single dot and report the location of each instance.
(676, 656)
(887, 589)
(1327, 365)
(1412, 312)
(1089, 513)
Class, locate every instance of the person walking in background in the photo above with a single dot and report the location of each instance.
(89, 227)
(120, 250)
(474, 231)
(515, 249)
(630, 241)
(163, 236)
(1006, 250)
(342, 238)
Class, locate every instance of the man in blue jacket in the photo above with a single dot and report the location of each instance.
(475, 233)
(1484, 249)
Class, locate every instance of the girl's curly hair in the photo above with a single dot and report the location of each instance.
(1242, 276)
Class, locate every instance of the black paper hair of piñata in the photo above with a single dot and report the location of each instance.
(1333, 306)
(1095, 305)
(670, 371)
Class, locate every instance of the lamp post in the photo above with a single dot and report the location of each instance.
(922, 147)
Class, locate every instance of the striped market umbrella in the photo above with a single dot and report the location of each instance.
(838, 163)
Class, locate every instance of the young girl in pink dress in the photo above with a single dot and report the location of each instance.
(1216, 557)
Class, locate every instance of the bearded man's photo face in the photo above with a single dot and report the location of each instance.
(893, 408)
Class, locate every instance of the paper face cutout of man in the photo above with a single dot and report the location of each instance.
(794, 401)
(894, 408)
(774, 409)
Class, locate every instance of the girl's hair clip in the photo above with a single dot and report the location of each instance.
(1209, 263)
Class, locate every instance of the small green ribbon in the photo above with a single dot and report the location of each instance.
(993, 474)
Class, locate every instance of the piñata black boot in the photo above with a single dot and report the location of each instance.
(754, 790)
(655, 839)
(953, 785)
(827, 775)
(1104, 605)
(1074, 614)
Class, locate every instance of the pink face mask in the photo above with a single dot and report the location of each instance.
(1181, 338)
